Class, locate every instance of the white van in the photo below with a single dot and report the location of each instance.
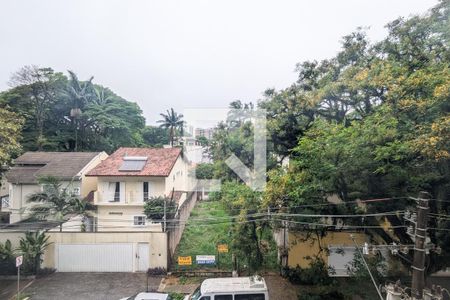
(231, 288)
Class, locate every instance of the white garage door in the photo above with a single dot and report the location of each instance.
(94, 257)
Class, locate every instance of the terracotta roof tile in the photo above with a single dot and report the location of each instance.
(160, 162)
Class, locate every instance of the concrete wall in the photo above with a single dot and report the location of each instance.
(157, 243)
(181, 217)
(299, 249)
(13, 236)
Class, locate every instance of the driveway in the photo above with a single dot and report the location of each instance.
(111, 286)
(8, 288)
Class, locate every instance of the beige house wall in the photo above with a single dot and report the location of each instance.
(19, 194)
(89, 184)
(177, 177)
(299, 249)
(157, 244)
(12, 236)
(132, 188)
(121, 218)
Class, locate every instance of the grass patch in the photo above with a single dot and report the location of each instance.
(202, 237)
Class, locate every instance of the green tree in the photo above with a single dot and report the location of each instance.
(10, 128)
(155, 136)
(154, 208)
(173, 122)
(38, 88)
(204, 171)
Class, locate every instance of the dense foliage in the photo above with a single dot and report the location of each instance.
(371, 122)
(32, 246)
(66, 114)
(154, 208)
(10, 128)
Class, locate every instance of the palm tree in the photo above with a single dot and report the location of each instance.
(54, 201)
(172, 121)
(32, 247)
(102, 95)
(80, 94)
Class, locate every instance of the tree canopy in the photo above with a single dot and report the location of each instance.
(67, 114)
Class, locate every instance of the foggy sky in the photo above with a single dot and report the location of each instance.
(185, 54)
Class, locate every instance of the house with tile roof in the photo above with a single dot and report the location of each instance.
(69, 167)
(131, 176)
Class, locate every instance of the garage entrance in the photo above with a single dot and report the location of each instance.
(107, 257)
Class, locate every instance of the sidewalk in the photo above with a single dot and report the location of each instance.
(8, 288)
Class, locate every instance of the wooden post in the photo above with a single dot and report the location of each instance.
(418, 277)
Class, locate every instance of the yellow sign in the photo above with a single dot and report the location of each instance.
(222, 248)
(184, 260)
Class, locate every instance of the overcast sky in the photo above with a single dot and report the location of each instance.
(185, 54)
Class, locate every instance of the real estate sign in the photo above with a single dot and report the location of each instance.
(222, 248)
(205, 259)
(184, 260)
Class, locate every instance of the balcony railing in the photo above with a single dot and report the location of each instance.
(145, 196)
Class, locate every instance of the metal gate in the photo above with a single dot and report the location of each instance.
(107, 257)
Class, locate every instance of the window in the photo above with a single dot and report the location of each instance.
(117, 192)
(139, 220)
(133, 163)
(205, 298)
(249, 297)
(223, 297)
(145, 188)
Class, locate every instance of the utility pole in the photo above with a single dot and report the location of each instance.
(418, 277)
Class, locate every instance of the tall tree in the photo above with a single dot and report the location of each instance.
(10, 128)
(173, 122)
(38, 86)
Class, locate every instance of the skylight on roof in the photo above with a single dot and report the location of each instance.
(133, 163)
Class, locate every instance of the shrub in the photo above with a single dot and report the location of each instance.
(45, 271)
(316, 274)
(176, 296)
(156, 271)
(154, 208)
(332, 295)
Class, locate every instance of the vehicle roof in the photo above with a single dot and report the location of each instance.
(151, 296)
(233, 284)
